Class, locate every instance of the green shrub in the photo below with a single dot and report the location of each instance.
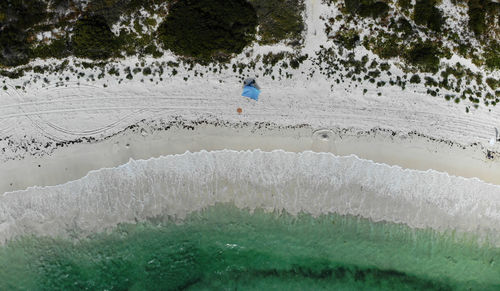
(424, 55)
(404, 4)
(296, 61)
(110, 10)
(476, 14)
(404, 26)
(14, 48)
(492, 55)
(367, 8)
(58, 48)
(93, 38)
(415, 79)
(385, 66)
(22, 13)
(348, 39)
(386, 46)
(493, 83)
(426, 13)
(147, 71)
(272, 59)
(429, 81)
(205, 29)
(373, 9)
(16, 18)
(479, 11)
(279, 19)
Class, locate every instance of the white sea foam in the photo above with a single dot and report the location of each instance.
(315, 183)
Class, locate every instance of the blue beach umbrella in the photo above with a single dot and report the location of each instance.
(251, 89)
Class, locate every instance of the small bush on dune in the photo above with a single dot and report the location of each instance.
(493, 83)
(415, 79)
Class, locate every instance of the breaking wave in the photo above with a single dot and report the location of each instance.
(278, 181)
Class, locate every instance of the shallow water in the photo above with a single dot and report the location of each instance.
(223, 247)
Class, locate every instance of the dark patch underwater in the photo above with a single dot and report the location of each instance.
(225, 248)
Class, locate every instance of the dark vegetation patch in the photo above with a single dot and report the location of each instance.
(17, 17)
(93, 38)
(349, 39)
(493, 83)
(279, 20)
(367, 8)
(405, 5)
(426, 13)
(221, 27)
(492, 55)
(206, 29)
(14, 49)
(110, 10)
(385, 45)
(22, 13)
(415, 79)
(58, 48)
(482, 14)
(424, 55)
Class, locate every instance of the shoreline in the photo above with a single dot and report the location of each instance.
(313, 183)
(407, 150)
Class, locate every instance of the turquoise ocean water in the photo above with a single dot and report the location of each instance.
(226, 248)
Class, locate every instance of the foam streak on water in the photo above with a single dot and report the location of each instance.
(313, 183)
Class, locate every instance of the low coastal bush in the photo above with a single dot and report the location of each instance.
(424, 55)
(348, 39)
(22, 13)
(16, 18)
(426, 13)
(367, 8)
(110, 10)
(415, 79)
(279, 20)
(405, 4)
(59, 48)
(386, 46)
(476, 14)
(492, 55)
(208, 29)
(93, 38)
(493, 83)
(14, 48)
(482, 15)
